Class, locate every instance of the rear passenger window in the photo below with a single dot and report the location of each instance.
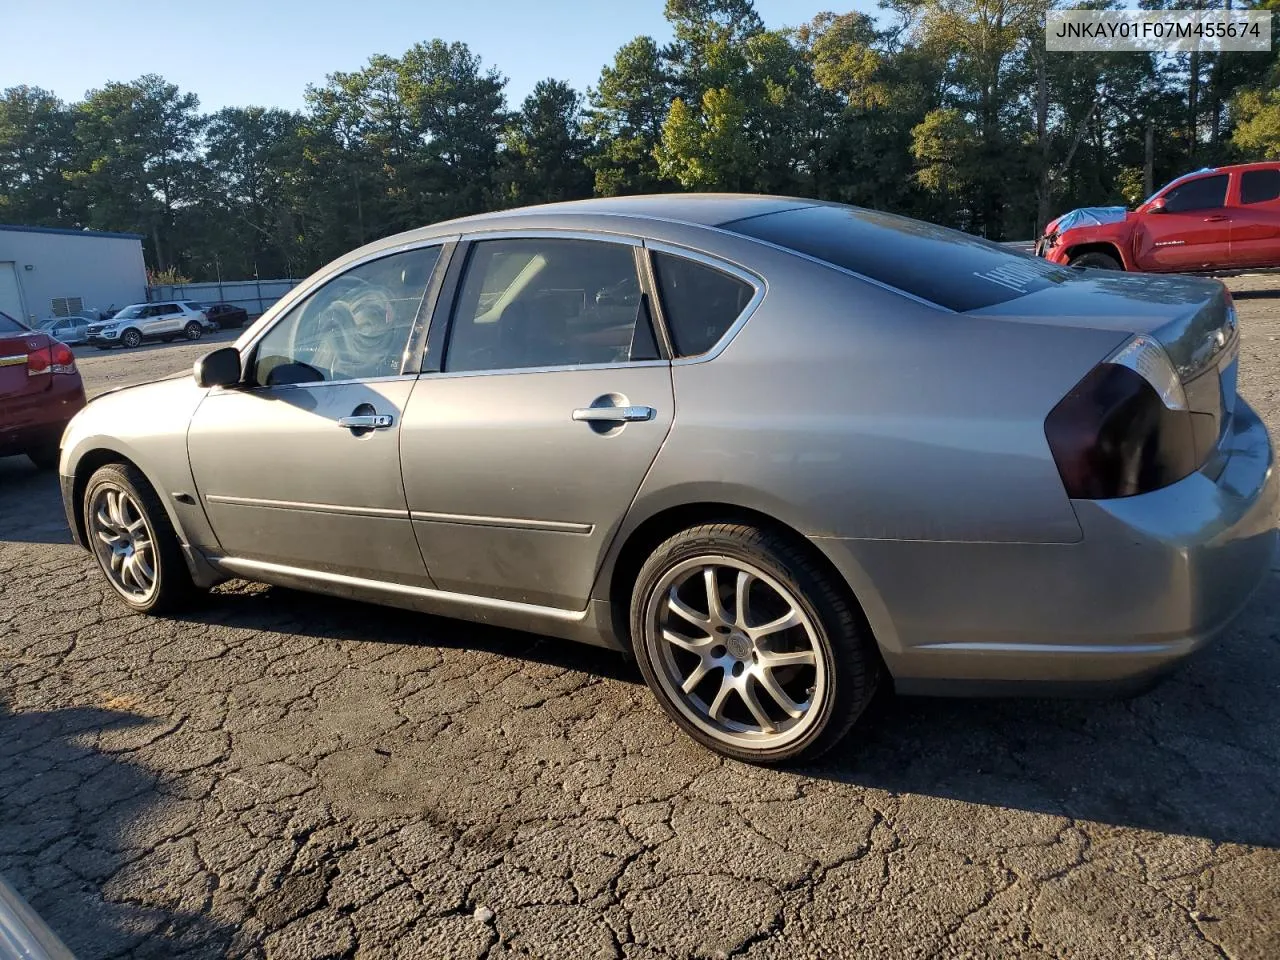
(1259, 186)
(700, 302)
(548, 302)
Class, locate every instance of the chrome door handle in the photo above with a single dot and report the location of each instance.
(1215, 219)
(379, 421)
(614, 414)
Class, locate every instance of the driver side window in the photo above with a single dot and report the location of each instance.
(355, 327)
(1206, 193)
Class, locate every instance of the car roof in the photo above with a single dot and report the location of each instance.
(702, 209)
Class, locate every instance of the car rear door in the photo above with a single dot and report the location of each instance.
(300, 466)
(1255, 219)
(544, 400)
(1193, 232)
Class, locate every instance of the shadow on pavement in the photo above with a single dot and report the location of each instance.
(33, 512)
(69, 809)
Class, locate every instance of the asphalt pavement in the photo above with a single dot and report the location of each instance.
(281, 775)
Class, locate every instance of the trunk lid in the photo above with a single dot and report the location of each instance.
(16, 348)
(1193, 318)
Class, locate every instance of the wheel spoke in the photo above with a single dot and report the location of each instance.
(104, 519)
(788, 620)
(683, 610)
(137, 526)
(141, 567)
(108, 537)
(127, 573)
(691, 682)
(693, 646)
(113, 509)
(774, 689)
(715, 609)
(716, 710)
(792, 658)
(741, 598)
(757, 709)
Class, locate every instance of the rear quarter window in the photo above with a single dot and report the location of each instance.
(1259, 186)
(946, 267)
(699, 302)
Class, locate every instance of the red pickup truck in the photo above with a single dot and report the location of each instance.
(1219, 218)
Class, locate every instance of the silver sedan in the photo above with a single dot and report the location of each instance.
(782, 452)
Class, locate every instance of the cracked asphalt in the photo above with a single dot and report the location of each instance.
(279, 775)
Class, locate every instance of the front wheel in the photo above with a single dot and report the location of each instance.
(749, 645)
(193, 330)
(134, 542)
(131, 339)
(1103, 261)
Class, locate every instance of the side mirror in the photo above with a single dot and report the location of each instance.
(222, 368)
(1158, 205)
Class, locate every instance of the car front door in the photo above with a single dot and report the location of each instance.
(544, 402)
(1192, 232)
(300, 465)
(1255, 220)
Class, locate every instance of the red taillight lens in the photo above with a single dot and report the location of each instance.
(1113, 436)
(39, 362)
(64, 359)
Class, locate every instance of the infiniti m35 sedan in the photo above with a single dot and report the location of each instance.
(781, 451)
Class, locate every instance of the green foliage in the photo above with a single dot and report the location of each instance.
(950, 110)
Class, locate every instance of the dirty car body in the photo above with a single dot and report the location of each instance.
(1020, 477)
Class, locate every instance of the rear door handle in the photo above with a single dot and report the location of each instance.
(614, 414)
(377, 421)
(1215, 219)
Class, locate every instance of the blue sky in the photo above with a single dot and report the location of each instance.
(237, 53)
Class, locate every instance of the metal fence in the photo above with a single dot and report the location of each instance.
(255, 296)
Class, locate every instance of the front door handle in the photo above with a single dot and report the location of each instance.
(1214, 219)
(614, 414)
(375, 421)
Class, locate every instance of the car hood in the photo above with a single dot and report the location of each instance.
(1086, 217)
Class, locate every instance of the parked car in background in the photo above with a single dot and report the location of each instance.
(1218, 218)
(68, 329)
(40, 391)
(227, 316)
(166, 320)
(780, 450)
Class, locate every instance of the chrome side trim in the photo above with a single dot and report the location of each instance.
(562, 368)
(535, 233)
(516, 523)
(15, 360)
(252, 568)
(304, 507)
(282, 307)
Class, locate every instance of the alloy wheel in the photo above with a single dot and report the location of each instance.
(124, 542)
(736, 652)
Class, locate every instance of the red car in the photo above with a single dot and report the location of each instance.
(40, 391)
(1219, 218)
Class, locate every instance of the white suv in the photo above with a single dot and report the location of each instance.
(167, 320)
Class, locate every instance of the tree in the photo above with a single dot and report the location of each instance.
(36, 144)
(627, 110)
(137, 156)
(546, 148)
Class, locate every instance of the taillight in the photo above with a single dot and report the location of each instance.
(1125, 428)
(39, 362)
(64, 359)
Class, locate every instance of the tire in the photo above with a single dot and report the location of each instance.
(137, 506)
(131, 339)
(830, 655)
(1103, 261)
(193, 330)
(45, 458)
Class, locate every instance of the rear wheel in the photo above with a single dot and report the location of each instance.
(1103, 261)
(749, 646)
(134, 542)
(193, 330)
(131, 339)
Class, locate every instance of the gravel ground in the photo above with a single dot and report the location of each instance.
(290, 776)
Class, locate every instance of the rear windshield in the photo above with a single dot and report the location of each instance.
(943, 266)
(10, 325)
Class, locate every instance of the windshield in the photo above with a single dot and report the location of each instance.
(128, 313)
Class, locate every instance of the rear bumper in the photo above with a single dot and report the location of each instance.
(38, 420)
(1153, 580)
